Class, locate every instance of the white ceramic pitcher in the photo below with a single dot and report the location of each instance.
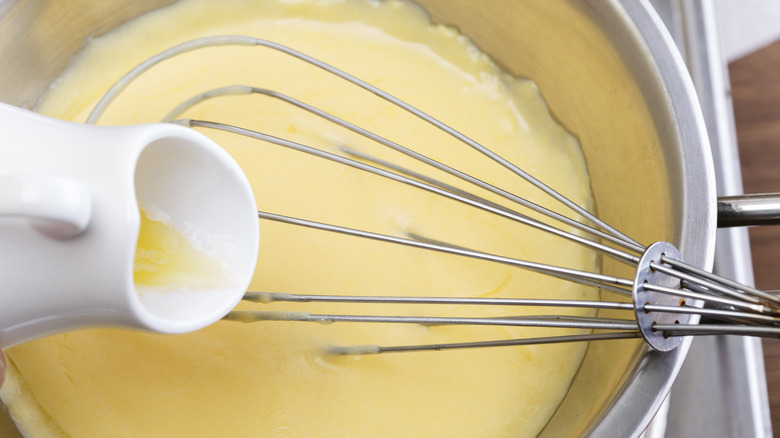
(69, 223)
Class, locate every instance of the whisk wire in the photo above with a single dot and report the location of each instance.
(270, 297)
(551, 321)
(712, 287)
(377, 349)
(700, 274)
(606, 282)
(706, 297)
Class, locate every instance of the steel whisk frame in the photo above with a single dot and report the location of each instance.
(668, 295)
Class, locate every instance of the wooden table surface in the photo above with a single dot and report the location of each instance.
(755, 84)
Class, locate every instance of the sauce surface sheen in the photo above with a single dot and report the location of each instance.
(275, 378)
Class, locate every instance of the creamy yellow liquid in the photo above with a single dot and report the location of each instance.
(276, 378)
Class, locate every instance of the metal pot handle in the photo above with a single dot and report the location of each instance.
(746, 210)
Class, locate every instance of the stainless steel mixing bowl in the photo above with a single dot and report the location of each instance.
(610, 74)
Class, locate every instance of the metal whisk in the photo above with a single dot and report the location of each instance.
(670, 298)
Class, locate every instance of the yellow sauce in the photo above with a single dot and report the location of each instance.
(275, 378)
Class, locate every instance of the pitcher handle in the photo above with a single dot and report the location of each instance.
(58, 207)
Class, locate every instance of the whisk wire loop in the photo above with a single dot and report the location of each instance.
(226, 40)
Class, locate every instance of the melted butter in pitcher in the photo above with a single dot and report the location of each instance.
(267, 378)
(166, 259)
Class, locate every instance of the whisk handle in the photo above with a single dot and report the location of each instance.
(747, 210)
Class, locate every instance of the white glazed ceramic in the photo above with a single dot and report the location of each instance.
(69, 223)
